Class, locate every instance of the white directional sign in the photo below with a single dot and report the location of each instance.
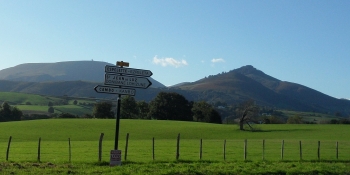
(114, 90)
(128, 81)
(128, 71)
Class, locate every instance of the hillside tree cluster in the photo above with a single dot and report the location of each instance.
(165, 106)
(9, 113)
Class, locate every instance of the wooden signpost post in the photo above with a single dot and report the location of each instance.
(116, 79)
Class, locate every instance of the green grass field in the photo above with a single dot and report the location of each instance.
(72, 109)
(39, 103)
(310, 116)
(84, 135)
(22, 98)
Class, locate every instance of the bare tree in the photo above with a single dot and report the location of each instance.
(247, 110)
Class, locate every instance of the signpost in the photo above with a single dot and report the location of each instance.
(127, 81)
(128, 71)
(114, 90)
(116, 78)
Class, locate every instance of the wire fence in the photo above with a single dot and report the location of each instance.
(173, 149)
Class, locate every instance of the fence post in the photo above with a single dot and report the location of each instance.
(8, 148)
(318, 150)
(200, 149)
(245, 149)
(300, 151)
(225, 149)
(178, 147)
(337, 150)
(153, 148)
(39, 149)
(263, 151)
(100, 147)
(126, 146)
(70, 151)
(282, 149)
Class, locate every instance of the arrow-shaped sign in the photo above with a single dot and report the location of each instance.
(128, 71)
(114, 90)
(119, 80)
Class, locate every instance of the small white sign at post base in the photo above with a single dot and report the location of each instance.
(116, 158)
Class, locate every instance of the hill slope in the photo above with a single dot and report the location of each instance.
(249, 83)
(91, 71)
(232, 87)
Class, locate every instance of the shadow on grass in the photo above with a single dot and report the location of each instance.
(278, 130)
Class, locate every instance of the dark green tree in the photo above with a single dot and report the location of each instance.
(8, 113)
(5, 112)
(215, 117)
(143, 109)
(204, 112)
(67, 115)
(128, 108)
(16, 114)
(51, 110)
(75, 102)
(170, 106)
(103, 110)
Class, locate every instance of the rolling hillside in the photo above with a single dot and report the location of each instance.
(235, 86)
(90, 71)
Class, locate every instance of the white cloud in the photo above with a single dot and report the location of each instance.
(169, 62)
(217, 60)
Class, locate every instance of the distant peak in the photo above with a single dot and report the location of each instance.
(248, 69)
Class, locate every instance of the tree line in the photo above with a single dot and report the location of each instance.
(165, 106)
(9, 113)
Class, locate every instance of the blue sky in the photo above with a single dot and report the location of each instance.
(301, 41)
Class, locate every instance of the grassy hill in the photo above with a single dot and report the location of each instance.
(38, 104)
(22, 98)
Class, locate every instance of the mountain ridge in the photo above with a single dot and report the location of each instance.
(233, 87)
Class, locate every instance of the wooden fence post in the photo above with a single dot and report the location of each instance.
(39, 149)
(282, 149)
(153, 154)
(336, 150)
(318, 150)
(200, 149)
(245, 149)
(70, 151)
(8, 148)
(263, 151)
(126, 146)
(178, 147)
(300, 151)
(225, 149)
(100, 147)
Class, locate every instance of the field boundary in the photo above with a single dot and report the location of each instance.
(180, 149)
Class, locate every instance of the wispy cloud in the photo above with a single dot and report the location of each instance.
(217, 60)
(169, 62)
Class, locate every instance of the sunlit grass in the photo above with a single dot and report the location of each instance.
(84, 135)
